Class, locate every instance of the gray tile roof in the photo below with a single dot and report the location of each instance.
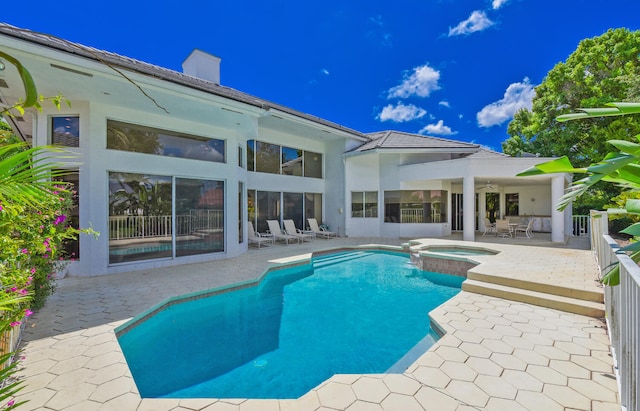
(399, 140)
(118, 61)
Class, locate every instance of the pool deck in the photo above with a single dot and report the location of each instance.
(497, 354)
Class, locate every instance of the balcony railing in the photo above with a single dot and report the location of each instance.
(623, 311)
(137, 227)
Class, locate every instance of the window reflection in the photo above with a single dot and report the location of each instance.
(141, 223)
(272, 158)
(148, 140)
(265, 205)
(199, 216)
(415, 206)
(139, 217)
(65, 131)
(312, 164)
(291, 161)
(267, 157)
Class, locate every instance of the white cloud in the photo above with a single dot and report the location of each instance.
(496, 4)
(324, 71)
(400, 113)
(444, 103)
(421, 82)
(477, 21)
(517, 96)
(439, 129)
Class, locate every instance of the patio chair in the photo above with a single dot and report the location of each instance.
(290, 228)
(278, 235)
(258, 238)
(313, 226)
(489, 227)
(525, 228)
(502, 228)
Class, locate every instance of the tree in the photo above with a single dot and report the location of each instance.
(621, 168)
(601, 70)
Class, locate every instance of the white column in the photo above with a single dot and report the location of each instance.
(557, 217)
(468, 208)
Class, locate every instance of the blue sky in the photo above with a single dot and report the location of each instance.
(446, 68)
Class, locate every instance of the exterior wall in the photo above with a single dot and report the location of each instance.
(362, 173)
(97, 162)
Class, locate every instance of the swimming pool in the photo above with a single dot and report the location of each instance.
(358, 312)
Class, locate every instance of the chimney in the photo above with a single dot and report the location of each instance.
(202, 65)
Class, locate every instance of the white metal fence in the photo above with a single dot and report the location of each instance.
(129, 227)
(581, 225)
(623, 310)
(416, 215)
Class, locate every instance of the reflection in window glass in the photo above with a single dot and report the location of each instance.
(199, 216)
(251, 165)
(415, 206)
(267, 157)
(364, 204)
(141, 139)
(71, 247)
(265, 205)
(65, 131)
(291, 161)
(240, 213)
(293, 208)
(268, 203)
(357, 204)
(371, 204)
(312, 164)
(513, 200)
(240, 157)
(139, 217)
(312, 207)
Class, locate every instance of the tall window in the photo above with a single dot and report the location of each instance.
(293, 208)
(415, 206)
(272, 158)
(240, 213)
(364, 204)
(513, 204)
(72, 178)
(65, 131)
(240, 157)
(199, 217)
(142, 225)
(149, 140)
(272, 205)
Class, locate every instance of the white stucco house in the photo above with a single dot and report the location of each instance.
(172, 166)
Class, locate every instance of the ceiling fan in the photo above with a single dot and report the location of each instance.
(487, 186)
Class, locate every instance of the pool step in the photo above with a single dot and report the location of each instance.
(324, 261)
(543, 299)
(594, 295)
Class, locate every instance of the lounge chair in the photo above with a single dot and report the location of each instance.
(278, 235)
(489, 227)
(313, 227)
(525, 228)
(290, 228)
(258, 238)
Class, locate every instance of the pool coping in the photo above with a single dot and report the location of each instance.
(83, 368)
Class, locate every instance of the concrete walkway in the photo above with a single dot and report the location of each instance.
(497, 354)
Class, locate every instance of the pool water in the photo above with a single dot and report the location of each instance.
(345, 313)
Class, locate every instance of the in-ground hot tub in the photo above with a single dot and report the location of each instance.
(449, 259)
